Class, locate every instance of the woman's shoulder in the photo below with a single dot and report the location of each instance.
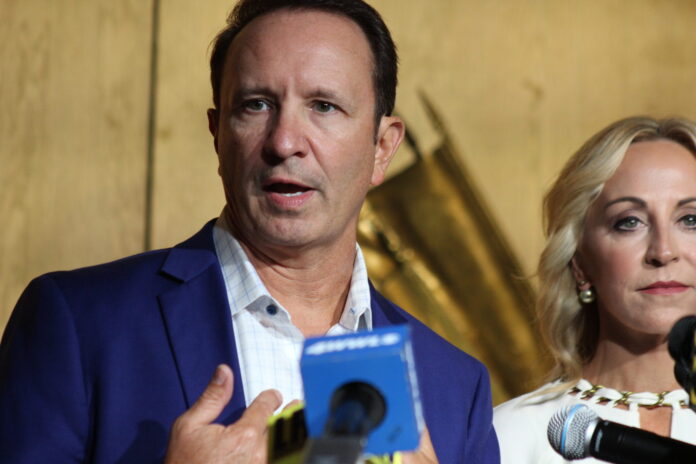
(548, 397)
(521, 424)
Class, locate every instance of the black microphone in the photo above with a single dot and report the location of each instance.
(682, 348)
(287, 435)
(356, 409)
(577, 432)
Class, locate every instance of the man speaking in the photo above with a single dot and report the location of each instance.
(96, 364)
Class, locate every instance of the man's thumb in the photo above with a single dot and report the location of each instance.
(213, 399)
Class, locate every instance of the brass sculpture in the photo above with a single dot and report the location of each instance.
(432, 247)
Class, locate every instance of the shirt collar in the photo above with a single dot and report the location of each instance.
(357, 313)
(245, 290)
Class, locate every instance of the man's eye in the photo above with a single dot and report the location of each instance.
(324, 107)
(689, 221)
(627, 223)
(256, 105)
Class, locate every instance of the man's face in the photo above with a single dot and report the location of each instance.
(295, 132)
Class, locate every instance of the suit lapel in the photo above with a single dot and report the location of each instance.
(384, 313)
(199, 323)
(198, 320)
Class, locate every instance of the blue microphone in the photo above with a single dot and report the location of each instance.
(361, 393)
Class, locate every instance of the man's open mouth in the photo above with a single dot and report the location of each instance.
(286, 189)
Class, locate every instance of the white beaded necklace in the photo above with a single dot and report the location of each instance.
(600, 394)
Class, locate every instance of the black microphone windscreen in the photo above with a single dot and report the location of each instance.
(356, 409)
(681, 348)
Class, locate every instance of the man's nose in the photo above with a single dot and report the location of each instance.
(287, 134)
(663, 247)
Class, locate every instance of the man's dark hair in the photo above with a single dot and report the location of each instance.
(382, 46)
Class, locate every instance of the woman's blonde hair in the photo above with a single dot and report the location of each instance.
(569, 328)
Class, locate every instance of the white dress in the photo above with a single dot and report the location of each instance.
(521, 422)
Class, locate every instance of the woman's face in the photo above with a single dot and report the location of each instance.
(639, 245)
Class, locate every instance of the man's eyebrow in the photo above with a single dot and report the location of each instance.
(244, 92)
(686, 200)
(331, 96)
(327, 94)
(318, 93)
(635, 200)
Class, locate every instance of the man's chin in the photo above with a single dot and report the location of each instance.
(298, 238)
(287, 235)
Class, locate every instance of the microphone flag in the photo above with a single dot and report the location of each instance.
(383, 360)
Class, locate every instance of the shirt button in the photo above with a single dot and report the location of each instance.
(272, 309)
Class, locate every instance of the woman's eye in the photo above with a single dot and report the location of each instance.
(689, 221)
(324, 107)
(627, 223)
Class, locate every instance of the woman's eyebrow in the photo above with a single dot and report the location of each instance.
(686, 200)
(635, 200)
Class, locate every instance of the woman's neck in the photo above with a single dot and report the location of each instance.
(647, 369)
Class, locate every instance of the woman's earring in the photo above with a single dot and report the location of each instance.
(587, 295)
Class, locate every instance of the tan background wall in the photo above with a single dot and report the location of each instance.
(521, 84)
(73, 135)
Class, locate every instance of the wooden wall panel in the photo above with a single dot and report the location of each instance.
(73, 135)
(187, 189)
(522, 84)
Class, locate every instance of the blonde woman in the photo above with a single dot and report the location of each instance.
(618, 270)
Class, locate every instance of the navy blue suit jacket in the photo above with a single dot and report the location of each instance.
(97, 363)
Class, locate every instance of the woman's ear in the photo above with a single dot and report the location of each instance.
(578, 273)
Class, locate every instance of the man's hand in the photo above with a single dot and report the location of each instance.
(425, 454)
(195, 439)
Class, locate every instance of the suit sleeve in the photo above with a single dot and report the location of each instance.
(482, 443)
(43, 402)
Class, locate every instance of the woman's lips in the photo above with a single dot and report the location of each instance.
(664, 288)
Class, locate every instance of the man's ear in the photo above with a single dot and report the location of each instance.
(390, 133)
(213, 121)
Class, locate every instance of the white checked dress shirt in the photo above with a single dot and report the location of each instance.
(268, 344)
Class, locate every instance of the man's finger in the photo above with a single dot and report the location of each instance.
(292, 404)
(425, 454)
(213, 399)
(261, 409)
